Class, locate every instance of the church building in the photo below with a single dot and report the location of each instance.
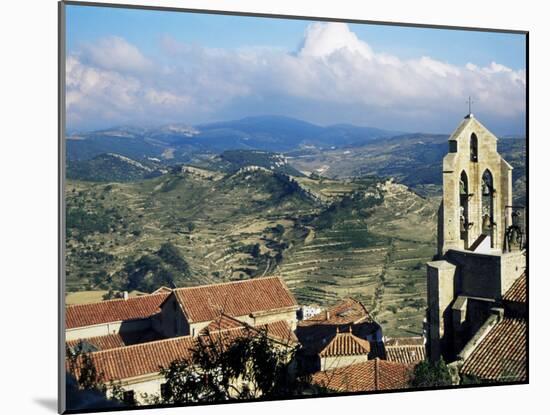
(481, 244)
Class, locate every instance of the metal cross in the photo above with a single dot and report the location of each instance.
(470, 102)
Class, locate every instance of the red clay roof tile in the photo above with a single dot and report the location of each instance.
(518, 291)
(134, 308)
(240, 298)
(368, 376)
(347, 311)
(346, 344)
(502, 354)
(147, 358)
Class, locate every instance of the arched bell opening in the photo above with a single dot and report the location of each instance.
(488, 206)
(473, 148)
(464, 221)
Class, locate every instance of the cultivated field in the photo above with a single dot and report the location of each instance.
(328, 239)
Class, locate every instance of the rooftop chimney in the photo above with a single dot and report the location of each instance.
(125, 295)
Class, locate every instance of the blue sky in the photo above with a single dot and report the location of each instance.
(165, 45)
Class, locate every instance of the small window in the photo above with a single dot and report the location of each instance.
(128, 397)
(473, 148)
(453, 146)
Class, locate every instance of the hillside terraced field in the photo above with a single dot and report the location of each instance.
(328, 239)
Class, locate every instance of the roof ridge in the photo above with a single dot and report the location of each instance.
(135, 346)
(112, 300)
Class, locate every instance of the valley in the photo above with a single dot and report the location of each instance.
(327, 238)
(337, 211)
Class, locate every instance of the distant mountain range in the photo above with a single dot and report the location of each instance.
(280, 144)
(173, 143)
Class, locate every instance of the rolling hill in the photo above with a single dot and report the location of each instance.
(327, 238)
(412, 159)
(175, 142)
(111, 167)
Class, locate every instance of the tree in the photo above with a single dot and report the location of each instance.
(83, 368)
(255, 251)
(170, 254)
(428, 374)
(248, 367)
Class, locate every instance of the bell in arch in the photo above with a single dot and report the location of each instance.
(462, 188)
(486, 222)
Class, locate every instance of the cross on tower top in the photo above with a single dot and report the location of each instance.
(470, 102)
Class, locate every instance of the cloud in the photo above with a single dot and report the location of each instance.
(115, 53)
(323, 39)
(333, 77)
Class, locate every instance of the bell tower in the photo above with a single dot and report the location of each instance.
(477, 188)
(480, 240)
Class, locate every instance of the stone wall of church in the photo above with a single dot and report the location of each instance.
(441, 293)
(454, 164)
(486, 275)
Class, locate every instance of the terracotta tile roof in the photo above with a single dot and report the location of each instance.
(278, 330)
(147, 358)
(406, 354)
(316, 333)
(223, 322)
(406, 350)
(348, 311)
(368, 376)
(240, 298)
(161, 290)
(346, 344)
(110, 341)
(518, 291)
(502, 354)
(140, 359)
(140, 307)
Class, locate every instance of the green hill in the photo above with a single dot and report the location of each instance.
(112, 167)
(327, 238)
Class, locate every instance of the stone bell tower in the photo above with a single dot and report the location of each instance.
(477, 188)
(476, 262)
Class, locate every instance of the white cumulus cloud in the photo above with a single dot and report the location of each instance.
(334, 77)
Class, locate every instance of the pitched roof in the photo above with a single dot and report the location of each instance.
(518, 291)
(239, 298)
(502, 354)
(278, 330)
(347, 311)
(372, 375)
(406, 354)
(82, 315)
(140, 359)
(346, 344)
(407, 350)
(161, 290)
(147, 358)
(223, 322)
(110, 341)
